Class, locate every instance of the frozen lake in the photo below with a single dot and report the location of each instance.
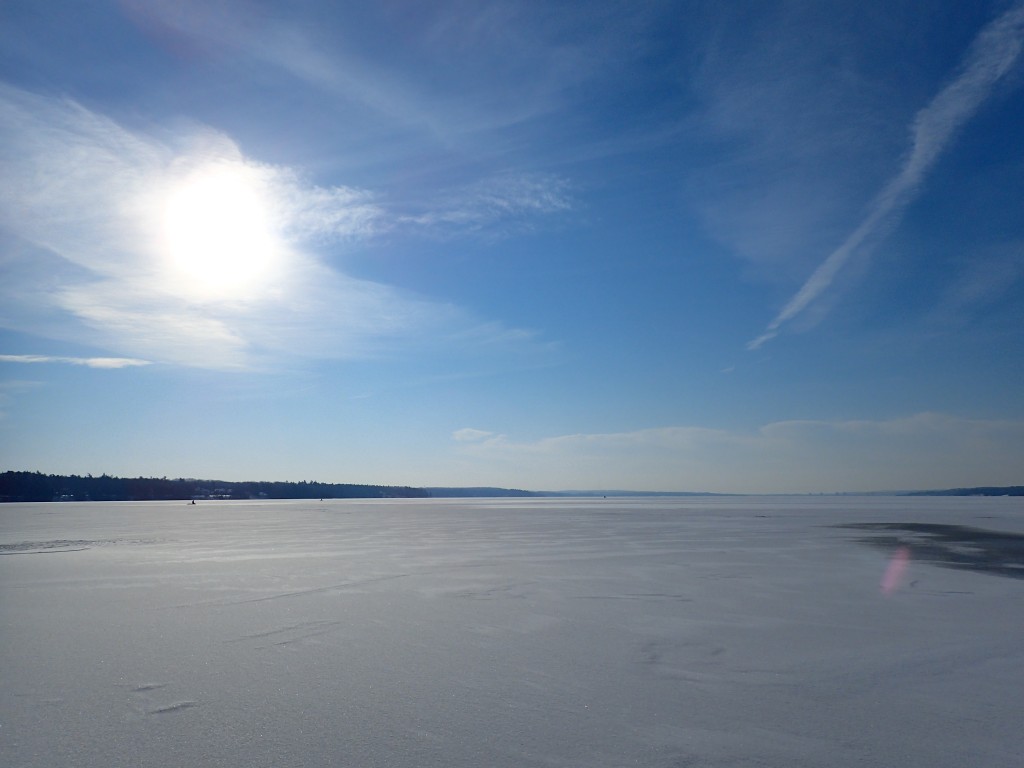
(805, 631)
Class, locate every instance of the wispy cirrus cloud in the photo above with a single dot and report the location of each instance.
(927, 450)
(494, 206)
(89, 362)
(457, 81)
(105, 266)
(991, 55)
(509, 47)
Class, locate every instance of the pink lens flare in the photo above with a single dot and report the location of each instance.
(896, 569)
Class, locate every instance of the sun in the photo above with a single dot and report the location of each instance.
(218, 234)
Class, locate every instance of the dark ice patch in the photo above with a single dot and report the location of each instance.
(148, 687)
(175, 707)
(964, 548)
(44, 547)
(63, 545)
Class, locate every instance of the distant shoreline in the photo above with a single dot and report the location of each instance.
(36, 486)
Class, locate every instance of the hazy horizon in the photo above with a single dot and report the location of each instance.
(667, 245)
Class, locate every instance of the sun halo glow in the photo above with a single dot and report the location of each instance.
(217, 233)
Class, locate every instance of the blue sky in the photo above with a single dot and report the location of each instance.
(763, 247)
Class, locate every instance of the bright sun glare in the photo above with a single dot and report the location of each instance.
(217, 232)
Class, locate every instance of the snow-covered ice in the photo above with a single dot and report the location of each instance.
(770, 631)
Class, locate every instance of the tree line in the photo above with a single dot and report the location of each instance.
(35, 486)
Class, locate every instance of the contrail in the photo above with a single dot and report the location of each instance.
(990, 56)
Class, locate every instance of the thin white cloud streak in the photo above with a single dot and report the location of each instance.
(470, 435)
(89, 362)
(927, 450)
(493, 206)
(990, 57)
(86, 189)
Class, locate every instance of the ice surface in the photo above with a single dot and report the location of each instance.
(541, 632)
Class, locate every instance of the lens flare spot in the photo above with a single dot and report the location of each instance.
(895, 571)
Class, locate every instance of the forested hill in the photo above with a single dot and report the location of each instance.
(35, 486)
